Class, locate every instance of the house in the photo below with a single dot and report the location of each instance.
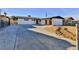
(56, 20)
(73, 22)
(68, 20)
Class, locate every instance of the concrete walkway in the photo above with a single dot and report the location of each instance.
(18, 37)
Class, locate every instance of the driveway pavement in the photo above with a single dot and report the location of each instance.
(18, 37)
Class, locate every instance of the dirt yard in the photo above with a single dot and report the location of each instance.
(64, 31)
(68, 32)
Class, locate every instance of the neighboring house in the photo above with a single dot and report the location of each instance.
(73, 22)
(68, 20)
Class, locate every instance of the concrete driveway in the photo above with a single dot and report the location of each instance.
(18, 37)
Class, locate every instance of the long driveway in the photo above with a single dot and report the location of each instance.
(18, 37)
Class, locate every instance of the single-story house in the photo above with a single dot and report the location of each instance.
(56, 20)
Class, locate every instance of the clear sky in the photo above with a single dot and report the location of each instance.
(41, 12)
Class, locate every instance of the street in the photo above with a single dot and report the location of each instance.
(18, 37)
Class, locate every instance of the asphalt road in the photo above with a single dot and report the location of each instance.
(18, 37)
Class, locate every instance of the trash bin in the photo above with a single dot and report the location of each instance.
(1, 24)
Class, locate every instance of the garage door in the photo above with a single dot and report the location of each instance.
(57, 22)
(22, 21)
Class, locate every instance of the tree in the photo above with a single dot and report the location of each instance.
(29, 15)
(14, 18)
(5, 13)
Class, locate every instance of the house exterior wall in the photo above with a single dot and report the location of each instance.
(23, 21)
(57, 22)
(43, 22)
(46, 21)
(49, 22)
(37, 21)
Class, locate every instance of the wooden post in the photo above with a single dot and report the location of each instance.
(77, 38)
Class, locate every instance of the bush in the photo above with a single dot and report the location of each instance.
(70, 24)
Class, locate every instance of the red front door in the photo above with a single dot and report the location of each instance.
(45, 21)
(50, 22)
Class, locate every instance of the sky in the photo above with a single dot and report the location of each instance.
(41, 12)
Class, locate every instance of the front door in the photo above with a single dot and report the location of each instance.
(36, 21)
(50, 22)
(46, 22)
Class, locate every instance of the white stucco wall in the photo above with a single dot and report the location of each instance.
(57, 22)
(42, 22)
(22, 21)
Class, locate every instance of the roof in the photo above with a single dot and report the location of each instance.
(24, 17)
(59, 17)
(69, 18)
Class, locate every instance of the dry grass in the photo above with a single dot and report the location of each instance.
(71, 33)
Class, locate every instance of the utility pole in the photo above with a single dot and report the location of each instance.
(46, 14)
